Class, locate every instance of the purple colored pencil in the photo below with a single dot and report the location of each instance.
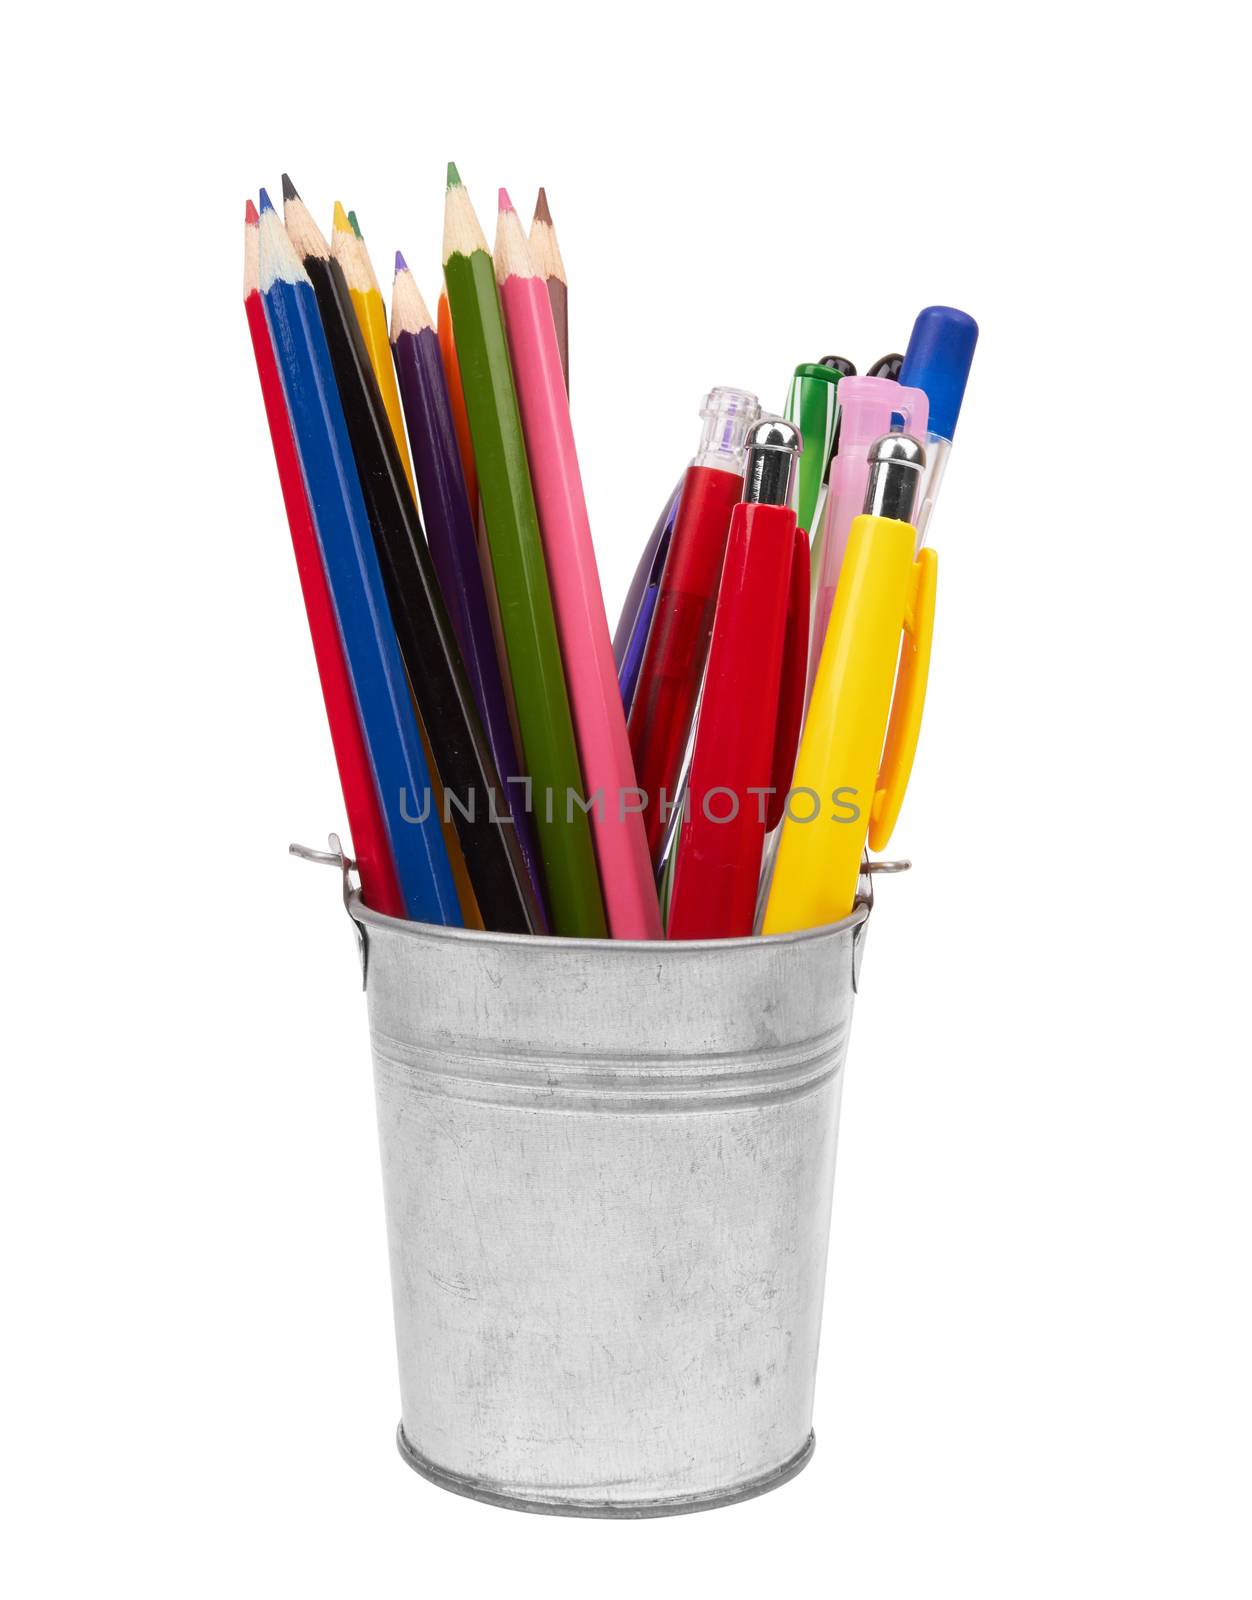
(450, 535)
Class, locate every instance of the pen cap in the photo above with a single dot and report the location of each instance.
(727, 415)
(896, 462)
(774, 446)
(941, 348)
(887, 367)
(839, 364)
(866, 406)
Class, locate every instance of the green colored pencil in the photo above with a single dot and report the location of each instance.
(549, 751)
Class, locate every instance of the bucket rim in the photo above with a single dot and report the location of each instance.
(363, 914)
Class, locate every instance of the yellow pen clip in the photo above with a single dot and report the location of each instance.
(906, 707)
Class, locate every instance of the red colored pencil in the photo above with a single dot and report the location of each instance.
(380, 887)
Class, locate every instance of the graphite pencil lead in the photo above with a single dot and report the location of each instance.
(454, 177)
(542, 214)
(289, 189)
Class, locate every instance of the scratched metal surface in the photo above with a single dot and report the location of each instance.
(607, 1172)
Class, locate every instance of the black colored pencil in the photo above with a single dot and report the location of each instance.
(428, 645)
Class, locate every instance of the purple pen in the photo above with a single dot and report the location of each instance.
(632, 656)
(626, 622)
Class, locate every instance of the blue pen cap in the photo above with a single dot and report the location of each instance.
(941, 348)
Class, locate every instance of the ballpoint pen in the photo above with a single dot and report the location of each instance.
(841, 367)
(867, 406)
(813, 406)
(941, 349)
(744, 741)
(652, 558)
(859, 739)
(673, 662)
(636, 638)
(642, 575)
(888, 367)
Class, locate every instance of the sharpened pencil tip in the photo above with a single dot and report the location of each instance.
(454, 177)
(290, 192)
(266, 203)
(356, 226)
(249, 214)
(401, 264)
(505, 203)
(341, 223)
(542, 214)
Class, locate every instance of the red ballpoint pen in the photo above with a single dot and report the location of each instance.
(673, 663)
(750, 711)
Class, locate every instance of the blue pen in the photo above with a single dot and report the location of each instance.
(355, 580)
(937, 361)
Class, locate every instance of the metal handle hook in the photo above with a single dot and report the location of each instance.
(336, 857)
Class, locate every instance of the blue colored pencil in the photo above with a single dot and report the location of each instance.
(355, 579)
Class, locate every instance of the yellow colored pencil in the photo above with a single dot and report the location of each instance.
(347, 247)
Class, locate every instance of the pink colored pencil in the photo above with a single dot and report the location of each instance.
(599, 722)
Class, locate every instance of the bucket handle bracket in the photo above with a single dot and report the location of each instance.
(869, 871)
(335, 856)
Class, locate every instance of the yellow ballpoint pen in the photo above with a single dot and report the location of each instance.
(857, 749)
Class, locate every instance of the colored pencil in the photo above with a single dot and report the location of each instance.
(353, 578)
(465, 445)
(380, 887)
(347, 247)
(545, 253)
(549, 751)
(456, 397)
(600, 727)
(371, 315)
(427, 642)
(451, 535)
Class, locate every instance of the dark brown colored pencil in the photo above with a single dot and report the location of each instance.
(545, 255)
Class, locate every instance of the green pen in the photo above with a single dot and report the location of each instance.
(549, 751)
(813, 406)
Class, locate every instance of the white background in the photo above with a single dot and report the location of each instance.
(1034, 1377)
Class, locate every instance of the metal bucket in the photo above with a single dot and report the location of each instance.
(607, 1170)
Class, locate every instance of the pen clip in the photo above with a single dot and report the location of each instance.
(909, 698)
(791, 682)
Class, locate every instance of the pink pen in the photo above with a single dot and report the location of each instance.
(614, 802)
(866, 406)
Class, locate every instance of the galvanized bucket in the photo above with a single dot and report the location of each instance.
(607, 1170)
